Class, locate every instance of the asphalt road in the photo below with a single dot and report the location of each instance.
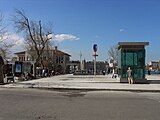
(31, 104)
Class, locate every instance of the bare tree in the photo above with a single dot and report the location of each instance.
(4, 46)
(35, 33)
(1, 42)
(2, 28)
(113, 53)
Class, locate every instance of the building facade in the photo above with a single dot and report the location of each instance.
(88, 66)
(153, 65)
(52, 58)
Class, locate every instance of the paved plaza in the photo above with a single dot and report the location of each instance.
(79, 82)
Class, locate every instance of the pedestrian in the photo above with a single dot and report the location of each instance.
(113, 76)
(108, 72)
(103, 72)
(149, 72)
(43, 72)
(129, 75)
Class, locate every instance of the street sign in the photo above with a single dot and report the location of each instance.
(95, 47)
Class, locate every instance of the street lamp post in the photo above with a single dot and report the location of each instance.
(95, 55)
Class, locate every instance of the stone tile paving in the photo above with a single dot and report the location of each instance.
(89, 82)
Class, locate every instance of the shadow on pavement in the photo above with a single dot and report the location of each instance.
(73, 93)
(154, 81)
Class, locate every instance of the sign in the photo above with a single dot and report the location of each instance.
(27, 67)
(18, 68)
(95, 47)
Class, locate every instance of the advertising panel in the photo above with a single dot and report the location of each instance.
(18, 68)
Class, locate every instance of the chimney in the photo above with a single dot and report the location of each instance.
(55, 47)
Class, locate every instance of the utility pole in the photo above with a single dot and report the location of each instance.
(80, 60)
(94, 64)
(95, 55)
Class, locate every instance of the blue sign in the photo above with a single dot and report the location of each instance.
(18, 68)
(95, 47)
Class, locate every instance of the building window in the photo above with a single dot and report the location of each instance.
(61, 59)
(57, 60)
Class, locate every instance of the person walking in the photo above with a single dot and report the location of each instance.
(43, 72)
(149, 72)
(129, 75)
(113, 72)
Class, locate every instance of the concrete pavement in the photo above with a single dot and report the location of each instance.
(79, 82)
(34, 104)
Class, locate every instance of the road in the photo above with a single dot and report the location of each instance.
(32, 104)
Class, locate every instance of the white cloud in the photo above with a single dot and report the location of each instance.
(64, 37)
(19, 41)
(16, 39)
(13, 38)
(121, 30)
(97, 36)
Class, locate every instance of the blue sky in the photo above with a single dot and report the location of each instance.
(104, 22)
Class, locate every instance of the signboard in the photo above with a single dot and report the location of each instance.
(18, 68)
(27, 67)
(95, 47)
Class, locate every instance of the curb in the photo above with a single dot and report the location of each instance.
(92, 89)
(33, 86)
(85, 89)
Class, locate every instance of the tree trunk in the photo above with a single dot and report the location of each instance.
(1, 75)
(1, 70)
(34, 68)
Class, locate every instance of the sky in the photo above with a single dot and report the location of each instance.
(78, 24)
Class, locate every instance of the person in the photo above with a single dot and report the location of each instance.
(43, 72)
(149, 72)
(108, 71)
(103, 72)
(113, 76)
(129, 75)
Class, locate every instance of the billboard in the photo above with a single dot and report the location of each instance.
(18, 68)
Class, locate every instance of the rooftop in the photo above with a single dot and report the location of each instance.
(23, 52)
(133, 43)
(59, 52)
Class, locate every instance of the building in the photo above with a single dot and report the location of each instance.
(132, 55)
(72, 67)
(88, 66)
(53, 58)
(60, 60)
(153, 65)
(22, 56)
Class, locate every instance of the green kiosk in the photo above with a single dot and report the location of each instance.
(132, 54)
